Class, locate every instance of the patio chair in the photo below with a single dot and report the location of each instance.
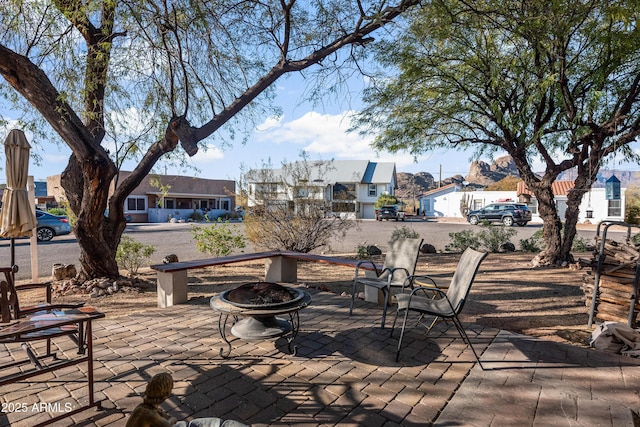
(436, 302)
(11, 312)
(399, 263)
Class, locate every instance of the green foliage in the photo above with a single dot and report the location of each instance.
(493, 237)
(535, 243)
(131, 254)
(362, 251)
(490, 238)
(220, 239)
(632, 205)
(386, 199)
(470, 75)
(462, 240)
(636, 240)
(579, 244)
(404, 232)
(57, 211)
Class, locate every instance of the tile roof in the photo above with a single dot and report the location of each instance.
(559, 188)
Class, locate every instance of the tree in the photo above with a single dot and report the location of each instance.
(125, 79)
(289, 210)
(385, 199)
(556, 82)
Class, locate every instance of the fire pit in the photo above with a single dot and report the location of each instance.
(260, 303)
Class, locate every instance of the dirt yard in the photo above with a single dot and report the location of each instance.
(508, 292)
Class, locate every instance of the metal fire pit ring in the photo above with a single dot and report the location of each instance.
(260, 321)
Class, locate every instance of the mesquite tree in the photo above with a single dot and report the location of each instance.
(121, 79)
(554, 82)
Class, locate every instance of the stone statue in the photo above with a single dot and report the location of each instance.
(149, 413)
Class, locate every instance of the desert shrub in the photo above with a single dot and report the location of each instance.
(492, 238)
(131, 254)
(197, 216)
(535, 243)
(462, 240)
(220, 239)
(580, 244)
(362, 251)
(404, 232)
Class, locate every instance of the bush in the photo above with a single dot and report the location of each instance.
(535, 243)
(57, 211)
(462, 240)
(131, 254)
(219, 240)
(404, 232)
(362, 251)
(492, 238)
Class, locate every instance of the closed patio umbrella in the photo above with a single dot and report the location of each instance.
(17, 217)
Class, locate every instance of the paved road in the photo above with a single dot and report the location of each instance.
(176, 238)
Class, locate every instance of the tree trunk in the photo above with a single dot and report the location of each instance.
(552, 226)
(87, 189)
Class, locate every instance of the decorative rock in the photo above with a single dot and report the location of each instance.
(373, 250)
(170, 258)
(63, 271)
(507, 247)
(428, 249)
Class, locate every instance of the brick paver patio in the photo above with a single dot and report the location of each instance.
(344, 373)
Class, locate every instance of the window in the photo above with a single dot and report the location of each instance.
(344, 192)
(136, 204)
(169, 203)
(373, 190)
(225, 204)
(615, 208)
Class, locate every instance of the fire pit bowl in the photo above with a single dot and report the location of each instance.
(260, 303)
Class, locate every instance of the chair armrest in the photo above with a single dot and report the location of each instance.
(439, 292)
(368, 261)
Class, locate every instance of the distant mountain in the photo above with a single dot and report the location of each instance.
(480, 175)
(627, 178)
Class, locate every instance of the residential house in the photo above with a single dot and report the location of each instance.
(348, 188)
(448, 201)
(159, 198)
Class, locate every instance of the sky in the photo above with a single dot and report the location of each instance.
(320, 131)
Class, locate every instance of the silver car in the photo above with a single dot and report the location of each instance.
(50, 225)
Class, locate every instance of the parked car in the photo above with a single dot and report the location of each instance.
(506, 213)
(50, 225)
(389, 212)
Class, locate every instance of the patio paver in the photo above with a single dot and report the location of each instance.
(344, 373)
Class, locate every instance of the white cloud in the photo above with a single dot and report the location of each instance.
(325, 136)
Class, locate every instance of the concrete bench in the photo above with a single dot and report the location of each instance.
(280, 266)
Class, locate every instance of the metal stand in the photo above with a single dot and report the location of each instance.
(259, 324)
(290, 331)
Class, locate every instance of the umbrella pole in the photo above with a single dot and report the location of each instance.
(14, 267)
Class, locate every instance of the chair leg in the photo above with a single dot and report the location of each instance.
(353, 297)
(386, 292)
(404, 324)
(465, 338)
